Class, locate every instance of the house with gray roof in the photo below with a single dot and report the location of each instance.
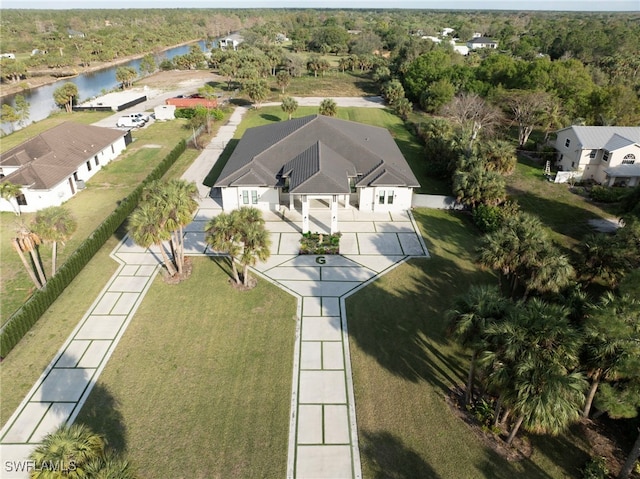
(317, 161)
(481, 42)
(51, 167)
(609, 155)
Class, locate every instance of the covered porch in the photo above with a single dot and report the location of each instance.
(317, 212)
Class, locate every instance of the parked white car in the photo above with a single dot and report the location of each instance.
(129, 121)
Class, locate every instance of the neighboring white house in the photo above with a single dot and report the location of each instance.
(608, 155)
(51, 167)
(481, 42)
(229, 43)
(342, 163)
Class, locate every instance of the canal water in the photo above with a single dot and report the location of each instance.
(90, 84)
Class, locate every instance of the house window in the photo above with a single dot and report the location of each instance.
(95, 158)
(245, 197)
(381, 198)
(592, 154)
(390, 197)
(113, 150)
(567, 142)
(22, 201)
(605, 156)
(75, 175)
(89, 165)
(629, 159)
(254, 197)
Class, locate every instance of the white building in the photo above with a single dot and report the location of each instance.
(53, 166)
(319, 159)
(608, 155)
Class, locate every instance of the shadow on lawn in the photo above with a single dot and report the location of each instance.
(102, 414)
(390, 458)
(404, 329)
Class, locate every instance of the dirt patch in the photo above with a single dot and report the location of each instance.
(187, 269)
(253, 282)
(179, 79)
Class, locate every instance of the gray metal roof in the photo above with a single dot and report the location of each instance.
(598, 137)
(623, 170)
(318, 154)
(52, 156)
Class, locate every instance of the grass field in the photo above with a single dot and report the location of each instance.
(406, 141)
(200, 384)
(404, 365)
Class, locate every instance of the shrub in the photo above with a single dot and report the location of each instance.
(318, 243)
(595, 468)
(606, 194)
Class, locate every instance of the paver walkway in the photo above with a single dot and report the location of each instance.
(323, 436)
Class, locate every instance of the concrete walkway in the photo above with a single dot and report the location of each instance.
(323, 439)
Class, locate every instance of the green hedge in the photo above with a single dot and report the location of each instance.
(24, 318)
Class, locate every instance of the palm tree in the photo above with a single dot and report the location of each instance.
(110, 466)
(146, 228)
(468, 320)
(530, 359)
(54, 224)
(175, 203)
(255, 239)
(27, 241)
(10, 192)
(289, 105)
(283, 79)
(222, 235)
(550, 273)
(328, 107)
(70, 447)
(512, 249)
(612, 339)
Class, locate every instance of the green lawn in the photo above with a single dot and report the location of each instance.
(406, 141)
(404, 366)
(90, 206)
(564, 212)
(200, 384)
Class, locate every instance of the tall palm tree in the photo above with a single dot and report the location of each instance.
(468, 321)
(550, 273)
(222, 235)
(71, 448)
(10, 191)
(146, 228)
(174, 203)
(255, 239)
(54, 224)
(27, 241)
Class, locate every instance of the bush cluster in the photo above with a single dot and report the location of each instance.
(24, 318)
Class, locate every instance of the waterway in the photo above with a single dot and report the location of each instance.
(90, 84)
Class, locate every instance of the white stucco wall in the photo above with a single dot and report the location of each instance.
(233, 197)
(370, 198)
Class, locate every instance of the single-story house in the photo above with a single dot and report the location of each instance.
(318, 159)
(608, 155)
(51, 167)
(481, 42)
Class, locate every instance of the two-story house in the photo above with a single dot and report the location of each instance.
(608, 155)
